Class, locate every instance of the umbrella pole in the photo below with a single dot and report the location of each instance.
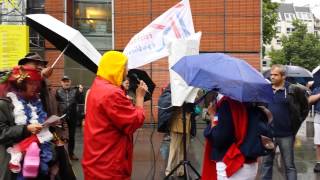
(55, 61)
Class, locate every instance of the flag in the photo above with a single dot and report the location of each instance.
(180, 91)
(150, 44)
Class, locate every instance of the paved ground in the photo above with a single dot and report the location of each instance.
(150, 155)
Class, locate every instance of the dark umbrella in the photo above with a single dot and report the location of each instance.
(294, 74)
(135, 75)
(65, 38)
(293, 71)
(230, 76)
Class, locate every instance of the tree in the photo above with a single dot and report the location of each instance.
(270, 17)
(300, 48)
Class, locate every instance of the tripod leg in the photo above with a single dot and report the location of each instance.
(194, 170)
(186, 171)
(174, 169)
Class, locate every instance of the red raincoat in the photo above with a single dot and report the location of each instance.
(110, 122)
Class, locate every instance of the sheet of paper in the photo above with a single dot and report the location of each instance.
(51, 120)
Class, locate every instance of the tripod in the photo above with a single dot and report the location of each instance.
(185, 162)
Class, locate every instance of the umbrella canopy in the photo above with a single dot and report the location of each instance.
(292, 71)
(294, 74)
(230, 76)
(135, 75)
(63, 36)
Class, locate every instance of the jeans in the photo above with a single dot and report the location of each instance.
(286, 145)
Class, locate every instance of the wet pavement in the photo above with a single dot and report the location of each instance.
(151, 152)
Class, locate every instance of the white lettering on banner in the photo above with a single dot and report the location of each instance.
(150, 44)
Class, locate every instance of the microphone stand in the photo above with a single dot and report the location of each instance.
(185, 162)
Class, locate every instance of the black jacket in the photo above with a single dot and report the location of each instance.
(298, 105)
(10, 133)
(67, 100)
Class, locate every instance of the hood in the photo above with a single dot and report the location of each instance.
(112, 66)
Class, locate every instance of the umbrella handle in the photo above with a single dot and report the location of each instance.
(55, 62)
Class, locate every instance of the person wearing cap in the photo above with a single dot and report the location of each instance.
(35, 60)
(21, 115)
(68, 98)
(110, 121)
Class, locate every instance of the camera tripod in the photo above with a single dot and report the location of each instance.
(185, 162)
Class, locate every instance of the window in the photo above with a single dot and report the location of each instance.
(93, 18)
(299, 15)
(293, 16)
(290, 30)
(278, 29)
(35, 7)
(309, 16)
(287, 16)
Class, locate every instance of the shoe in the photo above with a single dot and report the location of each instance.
(74, 158)
(316, 168)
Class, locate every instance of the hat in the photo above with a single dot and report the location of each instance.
(33, 56)
(20, 73)
(65, 78)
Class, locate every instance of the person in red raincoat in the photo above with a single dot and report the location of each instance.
(111, 119)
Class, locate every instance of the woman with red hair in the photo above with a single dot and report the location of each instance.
(21, 116)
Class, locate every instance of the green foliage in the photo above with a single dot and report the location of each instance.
(270, 18)
(300, 48)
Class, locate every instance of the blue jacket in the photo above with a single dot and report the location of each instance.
(222, 135)
(317, 104)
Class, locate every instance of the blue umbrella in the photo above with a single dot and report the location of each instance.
(230, 76)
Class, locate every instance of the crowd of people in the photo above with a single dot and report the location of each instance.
(237, 136)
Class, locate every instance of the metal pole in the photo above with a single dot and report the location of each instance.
(224, 25)
(112, 23)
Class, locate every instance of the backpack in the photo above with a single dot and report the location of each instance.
(258, 140)
(298, 105)
(165, 110)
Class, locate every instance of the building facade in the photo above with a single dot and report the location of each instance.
(228, 26)
(286, 14)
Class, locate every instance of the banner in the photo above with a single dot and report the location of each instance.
(14, 44)
(178, 48)
(150, 44)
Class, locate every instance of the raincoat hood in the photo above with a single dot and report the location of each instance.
(112, 66)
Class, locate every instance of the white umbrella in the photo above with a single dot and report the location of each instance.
(70, 41)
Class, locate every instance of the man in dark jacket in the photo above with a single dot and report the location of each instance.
(289, 109)
(67, 99)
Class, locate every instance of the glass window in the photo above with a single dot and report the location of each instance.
(264, 63)
(293, 16)
(93, 18)
(287, 16)
(299, 16)
(35, 7)
(309, 16)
